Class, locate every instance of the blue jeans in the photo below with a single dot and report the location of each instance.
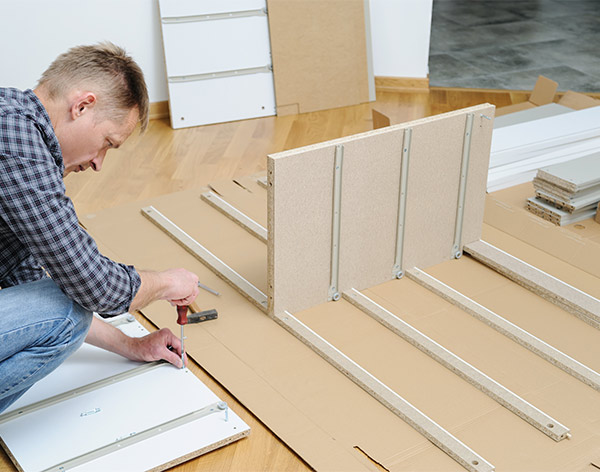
(39, 328)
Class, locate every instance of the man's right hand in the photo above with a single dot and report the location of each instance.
(177, 286)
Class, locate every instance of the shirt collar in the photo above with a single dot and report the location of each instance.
(46, 128)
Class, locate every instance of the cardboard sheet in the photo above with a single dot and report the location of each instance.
(301, 205)
(328, 420)
(319, 52)
(578, 245)
(543, 93)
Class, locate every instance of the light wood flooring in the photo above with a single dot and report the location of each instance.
(165, 160)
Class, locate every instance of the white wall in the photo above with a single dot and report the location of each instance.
(400, 32)
(34, 32)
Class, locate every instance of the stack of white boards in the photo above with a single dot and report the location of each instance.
(567, 192)
(550, 136)
(99, 411)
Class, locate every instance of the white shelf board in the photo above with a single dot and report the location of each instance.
(80, 424)
(215, 46)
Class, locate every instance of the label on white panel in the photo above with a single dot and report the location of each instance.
(176, 8)
(214, 46)
(209, 101)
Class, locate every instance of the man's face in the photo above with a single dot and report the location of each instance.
(86, 140)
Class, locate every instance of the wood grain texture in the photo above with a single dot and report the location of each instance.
(401, 84)
(164, 161)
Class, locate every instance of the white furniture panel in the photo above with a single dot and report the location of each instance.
(217, 100)
(109, 416)
(178, 8)
(220, 45)
(218, 60)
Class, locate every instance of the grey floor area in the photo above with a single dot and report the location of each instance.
(506, 44)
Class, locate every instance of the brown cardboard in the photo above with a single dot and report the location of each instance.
(319, 54)
(301, 196)
(542, 94)
(326, 418)
(379, 119)
(576, 244)
(578, 101)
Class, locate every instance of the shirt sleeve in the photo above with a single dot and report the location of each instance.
(33, 203)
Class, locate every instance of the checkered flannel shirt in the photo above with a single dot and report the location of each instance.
(39, 230)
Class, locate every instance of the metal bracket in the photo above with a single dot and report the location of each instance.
(20, 412)
(334, 293)
(219, 75)
(138, 437)
(397, 269)
(213, 16)
(460, 210)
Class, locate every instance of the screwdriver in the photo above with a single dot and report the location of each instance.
(182, 320)
(197, 317)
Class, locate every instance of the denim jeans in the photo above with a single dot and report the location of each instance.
(39, 328)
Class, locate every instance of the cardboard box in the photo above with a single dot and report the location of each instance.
(543, 93)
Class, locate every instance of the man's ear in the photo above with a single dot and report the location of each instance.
(82, 104)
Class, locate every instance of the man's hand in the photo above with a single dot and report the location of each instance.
(177, 286)
(158, 345)
(161, 344)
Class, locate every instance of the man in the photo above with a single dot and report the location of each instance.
(88, 101)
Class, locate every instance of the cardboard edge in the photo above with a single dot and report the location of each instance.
(379, 119)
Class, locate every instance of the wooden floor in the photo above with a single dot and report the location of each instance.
(165, 160)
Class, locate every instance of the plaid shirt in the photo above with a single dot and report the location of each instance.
(39, 230)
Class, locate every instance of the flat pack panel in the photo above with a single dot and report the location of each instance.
(218, 100)
(217, 45)
(178, 8)
(319, 53)
(81, 424)
(75, 372)
(537, 113)
(301, 205)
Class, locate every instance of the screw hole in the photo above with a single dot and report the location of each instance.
(475, 462)
(550, 425)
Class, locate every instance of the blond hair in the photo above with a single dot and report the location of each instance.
(105, 69)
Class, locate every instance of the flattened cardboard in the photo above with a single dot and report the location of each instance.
(577, 101)
(543, 93)
(301, 205)
(290, 388)
(319, 53)
(379, 119)
(322, 415)
(504, 210)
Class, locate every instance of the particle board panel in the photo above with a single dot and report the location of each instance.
(250, 200)
(301, 202)
(319, 52)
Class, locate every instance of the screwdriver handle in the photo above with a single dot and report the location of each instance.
(182, 315)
